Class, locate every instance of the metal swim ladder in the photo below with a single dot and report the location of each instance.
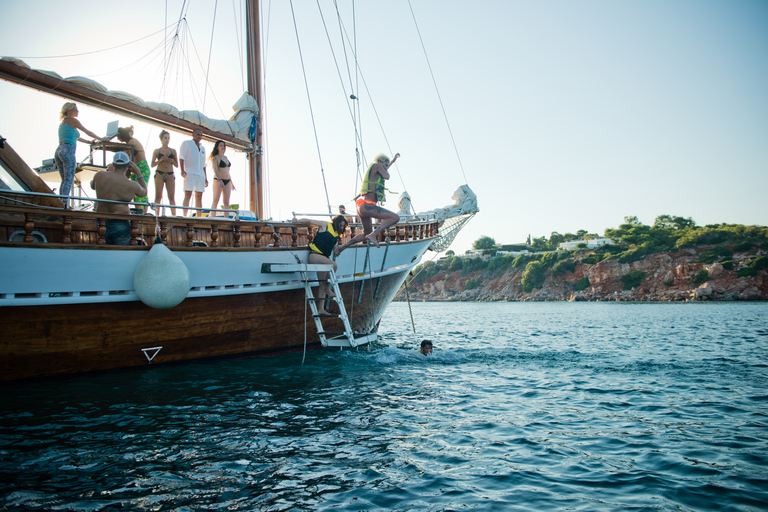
(341, 339)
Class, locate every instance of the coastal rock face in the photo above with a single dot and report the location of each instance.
(669, 276)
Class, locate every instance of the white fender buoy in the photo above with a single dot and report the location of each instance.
(162, 280)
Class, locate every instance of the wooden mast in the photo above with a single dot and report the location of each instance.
(255, 167)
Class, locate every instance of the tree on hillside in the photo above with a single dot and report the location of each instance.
(555, 239)
(450, 253)
(540, 244)
(632, 220)
(663, 221)
(533, 276)
(681, 223)
(668, 221)
(484, 242)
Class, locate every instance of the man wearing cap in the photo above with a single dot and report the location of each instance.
(113, 185)
(343, 212)
(192, 163)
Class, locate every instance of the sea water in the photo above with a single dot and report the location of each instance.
(523, 406)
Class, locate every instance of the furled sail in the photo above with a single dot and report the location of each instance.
(453, 217)
(235, 131)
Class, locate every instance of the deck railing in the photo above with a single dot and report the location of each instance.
(25, 220)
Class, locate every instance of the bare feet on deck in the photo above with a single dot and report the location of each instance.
(372, 238)
(329, 292)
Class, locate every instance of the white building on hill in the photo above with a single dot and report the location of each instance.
(591, 244)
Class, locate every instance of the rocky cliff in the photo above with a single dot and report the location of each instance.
(668, 276)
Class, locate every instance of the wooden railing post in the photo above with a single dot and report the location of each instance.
(29, 226)
(214, 235)
(236, 235)
(164, 232)
(134, 232)
(190, 235)
(256, 237)
(101, 232)
(66, 231)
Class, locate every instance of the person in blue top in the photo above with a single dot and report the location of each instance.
(66, 161)
(323, 244)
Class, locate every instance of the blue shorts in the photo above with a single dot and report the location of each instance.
(118, 232)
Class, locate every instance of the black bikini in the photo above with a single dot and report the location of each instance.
(222, 164)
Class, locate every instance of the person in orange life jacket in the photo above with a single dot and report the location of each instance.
(324, 243)
(371, 194)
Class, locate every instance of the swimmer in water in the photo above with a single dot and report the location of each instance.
(426, 347)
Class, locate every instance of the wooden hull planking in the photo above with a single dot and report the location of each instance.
(52, 340)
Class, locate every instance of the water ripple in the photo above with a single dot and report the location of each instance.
(534, 406)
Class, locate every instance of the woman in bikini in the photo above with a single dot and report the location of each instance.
(164, 158)
(371, 194)
(222, 180)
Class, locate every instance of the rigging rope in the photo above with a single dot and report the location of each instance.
(359, 74)
(304, 275)
(417, 274)
(438, 92)
(349, 97)
(210, 52)
(95, 51)
(239, 35)
(311, 112)
(408, 299)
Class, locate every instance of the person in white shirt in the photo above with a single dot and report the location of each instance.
(192, 163)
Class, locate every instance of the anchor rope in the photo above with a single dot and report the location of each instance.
(414, 277)
(408, 300)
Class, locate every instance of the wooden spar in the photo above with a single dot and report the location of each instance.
(80, 94)
(255, 167)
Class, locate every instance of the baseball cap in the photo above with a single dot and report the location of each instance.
(121, 158)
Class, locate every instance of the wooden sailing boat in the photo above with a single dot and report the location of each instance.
(68, 303)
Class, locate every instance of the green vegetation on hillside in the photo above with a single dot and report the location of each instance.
(632, 279)
(633, 241)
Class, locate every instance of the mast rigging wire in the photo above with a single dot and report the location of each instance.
(311, 113)
(264, 34)
(352, 110)
(210, 52)
(438, 92)
(95, 51)
(357, 120)
(359, 73)
(239, 35)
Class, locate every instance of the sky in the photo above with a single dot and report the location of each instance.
(560, 115)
